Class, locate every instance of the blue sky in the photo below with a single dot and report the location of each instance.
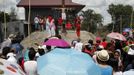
(99, 6)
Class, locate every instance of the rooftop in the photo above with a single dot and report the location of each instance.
(48, 3)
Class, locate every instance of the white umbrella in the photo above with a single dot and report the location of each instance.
(8, 68)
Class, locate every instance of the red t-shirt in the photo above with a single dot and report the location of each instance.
(104, 44)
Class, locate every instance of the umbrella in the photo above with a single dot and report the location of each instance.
(115, 35)
(66, 62)
(127, 29)
(8, 68)
(98, 38)
(57, 43)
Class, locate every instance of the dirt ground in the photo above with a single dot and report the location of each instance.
(39, 36)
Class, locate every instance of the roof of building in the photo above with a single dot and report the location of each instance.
(48, 3)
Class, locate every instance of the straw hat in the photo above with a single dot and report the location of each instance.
(11, 36)
(103, 55)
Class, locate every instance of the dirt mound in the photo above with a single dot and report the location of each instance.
(39, 36)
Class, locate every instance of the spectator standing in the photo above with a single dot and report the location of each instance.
(104, 43)
(36, 23)
(52, 28)
(41, 22)
(7, 42)
(5, 51)
(102, 58)
(11, 57)
(30, 66)
(48, 20)
(79, 45)
(114, 63)
(131, 71)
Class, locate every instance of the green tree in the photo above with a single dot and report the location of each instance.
(13, 14)
(121, 16)
(91, 20)
(2, 17)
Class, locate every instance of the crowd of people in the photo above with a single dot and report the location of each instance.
(52, 25)
(113, 58)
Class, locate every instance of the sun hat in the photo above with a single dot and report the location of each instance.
(103, 55)
(11, 36)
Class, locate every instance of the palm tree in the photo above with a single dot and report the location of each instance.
(91, 20)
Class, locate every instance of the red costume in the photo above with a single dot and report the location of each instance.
(77, 25)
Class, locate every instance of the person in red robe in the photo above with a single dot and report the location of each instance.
(77, 25)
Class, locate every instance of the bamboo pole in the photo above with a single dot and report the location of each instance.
(131, 23)
(120, 23)
(63, 3)
(5, 25)
(113, 23)
(5, 22)
(29, 17)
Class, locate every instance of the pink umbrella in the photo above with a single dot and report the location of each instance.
(57, 43)
(115, 35)
(98, 38)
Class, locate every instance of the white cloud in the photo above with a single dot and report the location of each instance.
(5, 5)
(101, 6)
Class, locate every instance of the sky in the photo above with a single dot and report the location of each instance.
(99, 6)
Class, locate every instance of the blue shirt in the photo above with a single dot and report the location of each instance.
(106, 70)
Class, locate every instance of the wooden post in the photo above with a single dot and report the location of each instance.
(29, 17)
(63, 3)
(113, 22)
(131, 23)
(120, 23)
(5, 22)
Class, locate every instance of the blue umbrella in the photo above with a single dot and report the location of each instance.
(127, 29)
(66, 62)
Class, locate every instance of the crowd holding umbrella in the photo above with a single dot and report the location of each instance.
(56, 56)
(66, 62)
(116, 35)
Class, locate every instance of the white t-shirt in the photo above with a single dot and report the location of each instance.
(78, 46)
(131, 51)
(130, 72)
(36, 20)
(118, 73)
(30, 67)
